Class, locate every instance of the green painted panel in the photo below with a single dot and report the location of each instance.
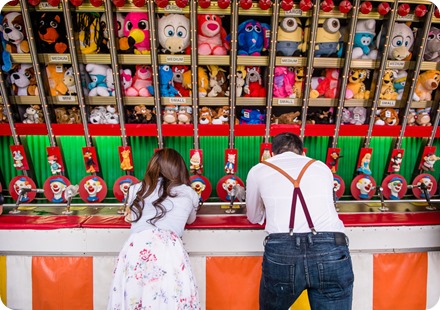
(248, 154)
(350, 147)
(142, 149)
(181, 145)
(37, 150)
(71, 148)
(412, 150)
(108, 157)
(8, 172)
(380, 158)
(316, 147)
(214, 159)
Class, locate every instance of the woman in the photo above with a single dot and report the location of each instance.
(153, 269)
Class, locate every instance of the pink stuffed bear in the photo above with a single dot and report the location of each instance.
(136, 27)
(141, 80)
(327, 86)
(283, 82)
(211, 35)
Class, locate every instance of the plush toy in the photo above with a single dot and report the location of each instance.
(205, 116)
(6, 61)
(126, 79)
(240, 80)
(110, 82)
(61, 115)
(55, 78)
(33, 115)
(170, 114)
(111, 115)
(23, 80)
(104, 115)
(184, 115)
(203, 81)
(288, 118)
(320, 116)
(387, 116)
(411, 117)
(432, 50)
(400, 82)
(427, 82)
(252, 117)
(254, 86)
(211, 35)
(69, 81)
(422, 117)
(143, 78)
(98, 73)
(356, 88)
(290, 37)
(363, 47)
(174, 33)
(283, 82)
(358, 115)
(136, 27)
(143, 115)
(89, 32)
(178, 72)
(124, 44)
(253, 37)
(387, 90)
(327, 38)
(52, 33)
(3, 118)
(221, 115)
(299, 82)
(401, 41)
(14, 33)
(74, 116)
(327, 86)
(217, 82)
(165, 82)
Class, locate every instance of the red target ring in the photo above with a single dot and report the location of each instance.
(338, 186)
(121, 185)
(55, 187)
(394, 187)
(201, 186)
(225, 186)
(429, 182)
(17, 184)
(363, 187)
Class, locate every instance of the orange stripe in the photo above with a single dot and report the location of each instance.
(3, 292)
(399, 281)
(62, 283)
(233, 282)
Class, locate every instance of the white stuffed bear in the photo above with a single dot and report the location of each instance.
(402, 39)
(98, 73)
(173, 31)
(69, 81)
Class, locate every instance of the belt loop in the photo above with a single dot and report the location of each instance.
(309, 236)
(265, 240)
(298, 241)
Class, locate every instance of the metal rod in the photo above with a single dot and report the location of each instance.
(233, 70)
(194, 71)
(272, 58)
(154, 68)
(345, 72)
(76, 70)
(34, 56)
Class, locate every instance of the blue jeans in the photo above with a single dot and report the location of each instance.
(319, 263)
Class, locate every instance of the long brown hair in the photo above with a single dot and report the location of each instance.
(168, 165)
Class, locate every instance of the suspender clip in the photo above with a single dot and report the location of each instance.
(313, 231)
(291, 232)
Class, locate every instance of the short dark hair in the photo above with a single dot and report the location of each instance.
(287, 142)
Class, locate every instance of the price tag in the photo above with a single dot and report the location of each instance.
(175, 59)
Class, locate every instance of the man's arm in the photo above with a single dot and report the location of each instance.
(254, 204)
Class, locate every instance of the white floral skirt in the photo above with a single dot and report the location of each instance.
(153, 271)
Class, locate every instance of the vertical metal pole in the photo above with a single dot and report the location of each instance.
(194, 70)
(232, 92)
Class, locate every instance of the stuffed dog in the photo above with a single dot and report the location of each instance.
(23, 80)
(14, 33)
(426, 83)
(52, 33)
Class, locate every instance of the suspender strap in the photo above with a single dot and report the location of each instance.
(296, 194)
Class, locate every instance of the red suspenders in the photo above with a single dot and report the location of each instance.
(296, 193)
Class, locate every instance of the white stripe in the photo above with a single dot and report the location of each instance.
(19, 282)
(433, 286)
(363, 281)
(198, 265)
(103, 267)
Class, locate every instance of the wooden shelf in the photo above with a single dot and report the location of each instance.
(287, 102)
(175, 100)
(290, 61)
(173, 8)
(124, 59)
(253, 60)
(138, 100)
(214, 60)
(214, 101)
(251, 101)
(178, 59)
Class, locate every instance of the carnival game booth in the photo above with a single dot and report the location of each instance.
(90, 90)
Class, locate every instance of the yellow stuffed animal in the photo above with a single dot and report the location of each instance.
(426, 83)
(55, 76)
(202, 78)
(387, 91)
(356, 88)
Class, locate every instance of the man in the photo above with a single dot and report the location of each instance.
(299, 253)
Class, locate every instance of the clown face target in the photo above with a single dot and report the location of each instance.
(427, 181)
(55, 187)
(18, 183)
(201, 186)
(226, 187)
(92, 189)
(394, 187)
(338, 186)
(363, 187)
(121, 186)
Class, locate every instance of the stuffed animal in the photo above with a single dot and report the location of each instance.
(184, 115)
(422, 117)
(432, 50)
(221, 115)
(205, 116)
(411, 117)
(358, 115)
(217, 82)
(104, 115)
(290, 37)
(6, 61)
(400, 82)
(174, 33)
(33, 115)
(319, 116)
(427, 82)
(51, 33)
(74, 116)
(240, 80)
(288, 118)
(166, 87)
(254, 85)
(253, 37)
(23, 80)
(55, 78)
(387, 90)
(3, 118)
(110, 82)
(99, 74)
(387, 116)
(252, 117)
(356, 88)
(299, 82)
(124, 44)
(327, 38)
(136, 27)
(283, 82)
(61, 115)
(363, 47)
(143, 78)
(142, 114)
(327, 86)
(178, 72)
(14, 33)
(170, 114)
(401, 41)
(211, 36)
(69, 81)
(203, 81)
(89, 32)
(126, 79)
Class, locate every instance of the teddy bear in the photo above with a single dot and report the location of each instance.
(89, 33)
(3, 118)
(61, 115)
(254, 85)
(411, 117)
(319, 116)
(328, 37)
(288, 118)
(205, 115)
(401, 41)
(184, 115)
(170, 114)
(99, 73)
(23, 80)
(51, 33)
(14, 33)
(290, 37)
(253, 37)
(422, 117)
(174, 33)
(143, 78)
(217, 82)
(74, 115)
(33, 115)
(221, 115)
(203, 81)
(327, 86)
(387, 116)
(356, 88)
(240, 80)
(144, 115)
(136, 27)
(69, 81)
(252, 117)
(387, 90)
(363, 47)
(427, 82)
(432, 50)
(283, 82)
(299, 82)
(211, 36)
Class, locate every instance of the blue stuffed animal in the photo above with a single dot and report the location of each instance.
(363, 46)
(6, 56)
(252, 117)
(165, 82)
(253, 37)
